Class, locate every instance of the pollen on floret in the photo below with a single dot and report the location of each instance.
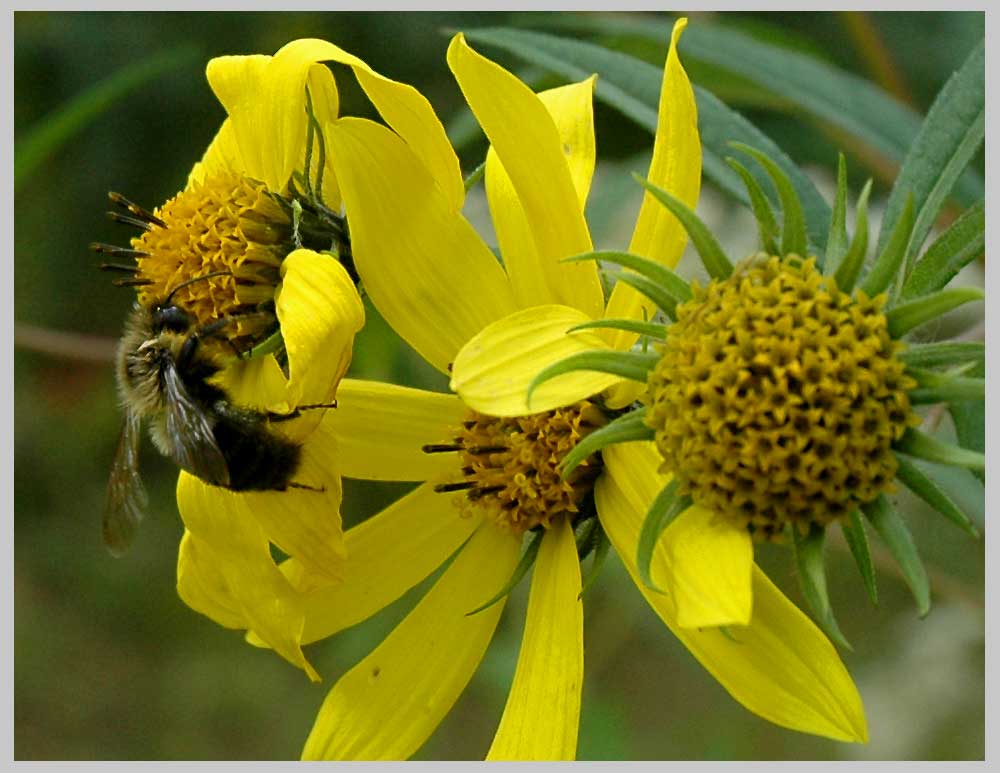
(777, 397)
(510, 466)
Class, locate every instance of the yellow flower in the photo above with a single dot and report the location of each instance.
(439, 285)
(264, 193)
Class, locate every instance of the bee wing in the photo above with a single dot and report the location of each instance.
(126, 497)
(190, 433)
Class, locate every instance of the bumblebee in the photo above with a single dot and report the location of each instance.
(164, 365)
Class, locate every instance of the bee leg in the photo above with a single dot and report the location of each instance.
(293, 484)
(278, 417)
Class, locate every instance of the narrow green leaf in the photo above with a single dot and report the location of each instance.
(667, 506)
(650, 269)
(600, 556)
(626, 428)
(970, 422)
(945, 387)
(712, 256)
(632, 87)
(944, 354)
(66, 121)
(766, 224)
(854, 533)
(949, 137)
(888, 264)
(812, 579)
(924, 446)
(906, 316)
(893, 531)
(631, 365)
(850, 267)
(475, 176)
(664, 301)
(835, 97)
(929, 491)
(836, 243)
(651, 329)
(527, 560)
(963, 242)
(793, 227)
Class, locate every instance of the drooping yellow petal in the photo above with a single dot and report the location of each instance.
(320, 312)
(702, 560)
(542, 715)
(202, 585)
(529, 145)
(676, 167)
(226, 571)
(537, 281)
(387, 705)
(236, 81)
(493, 370)
(781, 666)
(707, 565)
(381, 429)
(423, 264)
(404, 108)
(387, 555)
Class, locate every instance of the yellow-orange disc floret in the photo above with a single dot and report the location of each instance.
(778, 396)
(227, 224)
(510, 466)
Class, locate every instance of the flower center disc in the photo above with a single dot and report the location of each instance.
(778, 396)
(225, 224)
(510, 465)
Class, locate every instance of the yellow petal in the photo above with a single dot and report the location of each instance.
(258, 383)
(222, 155)
(202, 585)
(320, 312)
(387, 705)
(781, 666)
(707, 564)
(530, 148)
(492, 371)
(381, 429)
(542, 715)
(236, 81)
(404, 108)
(387, 555)
(537, 281)
(238, 575)
(702, 560)
(676, 167)
(425, 268)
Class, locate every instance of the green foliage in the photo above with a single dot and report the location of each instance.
(963, 242)
(523, 565)
(793, 228)
(847, 271)
(626, 428)
(630, 365)
(663, 510)
(812, 579)
(929, 491)
(906, 316)
(894, 533)
(853, 530)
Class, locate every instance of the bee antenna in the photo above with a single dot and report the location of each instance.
(186, 282)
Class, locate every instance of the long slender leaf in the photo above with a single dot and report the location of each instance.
(929, 491)
(657, 272)
(854, 533)
(924, 446)
(949, 137)
(812, 579)
(944, 354)
(601, 549)
(60, 126)
(631, 365)
(836, 244)
(664, 301)
(793, 227)
(523, 565)
(847, 271)
(632, 87)
(906, 316)
(963, 242)
(888, 263)
(936, 387)
(841, 99)
(893, 531)
(667, 506)
(624, 429)
(712, 256)
(970, 422)
(651, 329)
(766, 224)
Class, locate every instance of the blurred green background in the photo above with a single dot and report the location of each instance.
(109, 664)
